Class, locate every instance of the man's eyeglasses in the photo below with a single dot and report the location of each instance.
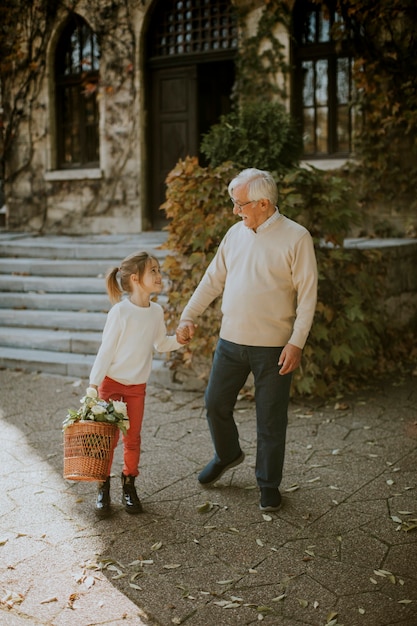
(241, 205)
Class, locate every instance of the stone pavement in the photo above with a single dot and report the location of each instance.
(342, 550)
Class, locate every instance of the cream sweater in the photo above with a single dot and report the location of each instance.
(130, 334)
(269, 284)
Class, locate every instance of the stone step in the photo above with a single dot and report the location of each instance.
(57, 302)
(91, 247)
(56, 320)
(79, 342)
(52, 284)
(67, 364)
(56, 267)
(53, 301)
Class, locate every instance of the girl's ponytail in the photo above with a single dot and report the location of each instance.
(112, 285)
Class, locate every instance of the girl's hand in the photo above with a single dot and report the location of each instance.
(183, 335)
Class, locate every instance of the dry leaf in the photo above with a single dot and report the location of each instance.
(405, 601)
(225, 582)
(205, 508)
(54, 599)
(292, 488)
(134, 586)
(279, 598)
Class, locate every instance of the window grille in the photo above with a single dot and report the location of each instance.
(193, 26)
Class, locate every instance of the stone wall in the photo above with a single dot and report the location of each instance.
(399, 259)
(42, 198)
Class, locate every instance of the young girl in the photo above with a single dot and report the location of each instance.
(134, 326)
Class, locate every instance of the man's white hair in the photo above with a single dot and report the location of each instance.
(259, 184)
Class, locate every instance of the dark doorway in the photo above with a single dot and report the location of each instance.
(186, 101)
(190, 72)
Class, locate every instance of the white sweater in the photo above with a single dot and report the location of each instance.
(129, 337)
(269, 283)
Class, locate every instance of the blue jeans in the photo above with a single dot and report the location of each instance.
(231, 366)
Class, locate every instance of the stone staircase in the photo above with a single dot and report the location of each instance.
(53, 301)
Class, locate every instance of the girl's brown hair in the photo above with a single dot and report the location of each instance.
(132, 264)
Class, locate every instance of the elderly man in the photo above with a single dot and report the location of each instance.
(266, 269)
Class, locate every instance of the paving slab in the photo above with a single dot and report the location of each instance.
(342, 549)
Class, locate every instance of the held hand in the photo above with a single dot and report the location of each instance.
(189, 326)
(183, 335)
(290, 359)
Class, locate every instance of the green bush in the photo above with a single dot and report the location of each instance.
(260, 134)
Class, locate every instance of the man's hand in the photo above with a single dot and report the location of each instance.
(186, 328)
(290, 359)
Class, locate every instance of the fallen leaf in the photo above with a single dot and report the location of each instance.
(267, 518)
(279, 598)
(341, 406)
(292, 488)
(205, 508)
(134, 586)
(225, 582)
(54, 599)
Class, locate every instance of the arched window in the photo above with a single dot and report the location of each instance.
(76, 77)
(322, 80)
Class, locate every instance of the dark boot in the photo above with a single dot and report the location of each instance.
(130, 497)
(103, 497)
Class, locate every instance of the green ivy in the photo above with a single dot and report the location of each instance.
(261, 130)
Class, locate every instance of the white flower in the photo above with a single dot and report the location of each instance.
(98, 410)
(91, 392)
(120, 407)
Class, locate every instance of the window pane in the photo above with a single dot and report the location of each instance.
(343, 126)
(309, 28)
(321, 82)
(309, 131)
(323, 28)
(343, 75)
(308, 85)
(321, 130)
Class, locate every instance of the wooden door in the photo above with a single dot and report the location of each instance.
(174, 133)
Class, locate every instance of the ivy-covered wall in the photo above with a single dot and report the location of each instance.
(40, 197)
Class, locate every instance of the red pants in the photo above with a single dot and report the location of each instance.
(134, 396)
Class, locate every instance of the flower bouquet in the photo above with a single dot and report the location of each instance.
(94, 409)
(90, 435)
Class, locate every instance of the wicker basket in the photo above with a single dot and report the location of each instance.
(87, 450)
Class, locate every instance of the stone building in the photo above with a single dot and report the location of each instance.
(119, 90)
